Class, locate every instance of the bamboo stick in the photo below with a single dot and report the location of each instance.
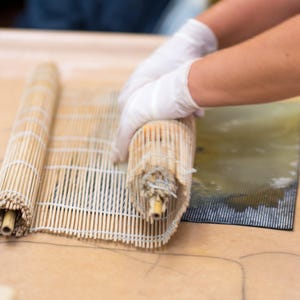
(8, 223)
(156, 207)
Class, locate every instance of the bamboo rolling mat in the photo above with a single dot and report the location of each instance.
(58, 176)
(23, 162)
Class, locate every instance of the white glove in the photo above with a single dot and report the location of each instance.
(165, 98)
(192, 41)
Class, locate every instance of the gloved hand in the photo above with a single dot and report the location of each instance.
(165, 98)
(192, 41)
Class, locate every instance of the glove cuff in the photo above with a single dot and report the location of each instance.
(199, 35)
(190, 102)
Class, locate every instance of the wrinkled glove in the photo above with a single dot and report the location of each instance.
(165, 98)
(192, 41)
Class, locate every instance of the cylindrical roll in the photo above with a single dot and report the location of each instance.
(160, 167)
(21, 170)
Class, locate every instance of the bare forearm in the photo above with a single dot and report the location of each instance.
(263, 69)
(234, 21)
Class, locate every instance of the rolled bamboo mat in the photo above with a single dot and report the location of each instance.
(21, 170)
(83, 194)
(159, 178)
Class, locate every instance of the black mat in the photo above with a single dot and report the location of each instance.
(250, 213)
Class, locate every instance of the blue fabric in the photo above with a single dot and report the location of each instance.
(98, 15)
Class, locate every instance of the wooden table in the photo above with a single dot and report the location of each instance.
(202, 261)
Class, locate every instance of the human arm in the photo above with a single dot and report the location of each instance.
(234, 21)
(265, 68)
(224, 24)
(262, 69)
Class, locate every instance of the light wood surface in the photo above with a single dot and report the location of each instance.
(202, 261)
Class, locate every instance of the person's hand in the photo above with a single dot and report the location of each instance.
(192, 41)
(165, 98)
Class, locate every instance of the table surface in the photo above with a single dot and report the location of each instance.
(202, 261)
